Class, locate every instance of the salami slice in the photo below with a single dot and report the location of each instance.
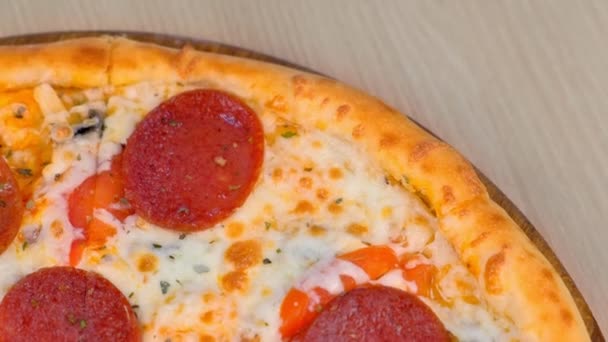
(193, 160)
(11, 206)
(66, 304)
(375, 313)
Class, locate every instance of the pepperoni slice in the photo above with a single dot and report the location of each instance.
(11, 206)
(375, 313)
(66, 304)
(193, 160)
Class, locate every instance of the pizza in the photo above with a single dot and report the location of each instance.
(155, 194)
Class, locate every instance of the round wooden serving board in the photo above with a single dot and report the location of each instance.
(178, 42)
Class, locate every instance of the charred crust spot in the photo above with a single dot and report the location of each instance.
(388, 140)
(497, 219)
(566, 316)
(546, 273)
(425, 199)
(421, 149)
(461, 213)
(300, 83)
(299, 80)
(342, 111)
(480, 238)
(91, 55)
(448, 194)
(552, 296)
(493, 269)
(327, 81)
(470, 178)
(182, 62)
(358, 131)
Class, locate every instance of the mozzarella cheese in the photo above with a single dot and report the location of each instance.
(317, 197)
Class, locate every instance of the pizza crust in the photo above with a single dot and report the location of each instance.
(516, 279)
(78, 63)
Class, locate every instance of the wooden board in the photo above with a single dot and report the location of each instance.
(496, 194)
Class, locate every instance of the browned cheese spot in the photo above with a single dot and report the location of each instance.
(244, 254)
(315, 230)
(147, 263)
(234, 229)
(277, 174)
(277, 103)
(335, 208)
(255, 338)
(208, 297)
(427, 252)
(305, 182)
(473, 265)
(335, 173)
(325, 101)
(57, 229)
(387, 212)
(235, 281)
(304, 207)
(206, 338)
(322, 194)
(388, 140)
(358, 131)
(206, 317)
(493, 271)
(420, 220)
(357, 229)
(342, 111)
(421, 149)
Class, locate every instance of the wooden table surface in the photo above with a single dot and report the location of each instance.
(519, 87)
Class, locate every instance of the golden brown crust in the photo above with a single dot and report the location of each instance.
(81, 63)
(516, 279)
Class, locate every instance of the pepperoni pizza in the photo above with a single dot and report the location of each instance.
(174, 195)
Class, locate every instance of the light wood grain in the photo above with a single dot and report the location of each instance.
(519, 87)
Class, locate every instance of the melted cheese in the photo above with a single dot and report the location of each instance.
(317, 197)
(46, 232)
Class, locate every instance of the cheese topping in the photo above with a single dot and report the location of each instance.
(318, 197)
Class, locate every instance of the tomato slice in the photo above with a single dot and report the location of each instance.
(101, 191)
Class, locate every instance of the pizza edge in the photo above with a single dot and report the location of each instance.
(516, 279)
